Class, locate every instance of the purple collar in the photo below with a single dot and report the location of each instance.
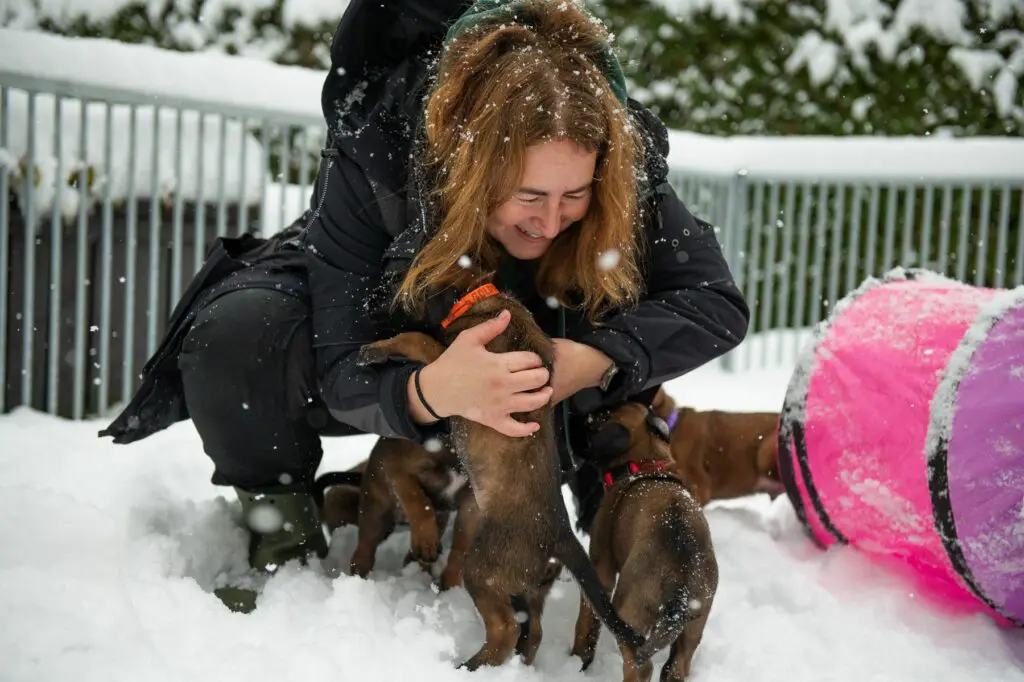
(673, 417)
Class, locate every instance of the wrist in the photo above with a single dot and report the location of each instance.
(420, 390)
(598, 365)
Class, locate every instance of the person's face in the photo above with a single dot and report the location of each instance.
(553, 193)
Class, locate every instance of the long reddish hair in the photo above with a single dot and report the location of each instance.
(504, 85)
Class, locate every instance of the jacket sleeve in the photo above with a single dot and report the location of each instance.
(692, 311)
(344, 246)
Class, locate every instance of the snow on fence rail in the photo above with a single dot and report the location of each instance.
(146, 155)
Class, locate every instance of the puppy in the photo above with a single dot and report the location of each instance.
(522, 534)
(651, 533)
(340, 506)
(723, 454)
(405, 479)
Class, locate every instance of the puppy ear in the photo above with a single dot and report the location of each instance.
(610, 440)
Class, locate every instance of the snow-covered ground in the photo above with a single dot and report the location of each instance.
(108, 551)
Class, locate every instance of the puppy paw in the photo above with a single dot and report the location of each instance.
(372, 354)
(425, 547)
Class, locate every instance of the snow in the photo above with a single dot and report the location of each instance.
(199, 78)
(813, 158)
(109, 552)
(312, 12)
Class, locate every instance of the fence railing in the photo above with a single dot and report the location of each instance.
(110, 200)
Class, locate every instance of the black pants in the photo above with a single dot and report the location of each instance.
(250, 388)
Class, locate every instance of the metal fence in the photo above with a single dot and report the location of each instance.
(110, 200)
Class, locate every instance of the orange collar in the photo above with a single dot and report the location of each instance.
(468, 301)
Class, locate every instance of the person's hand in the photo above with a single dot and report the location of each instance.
(471, 382)
(577, 366)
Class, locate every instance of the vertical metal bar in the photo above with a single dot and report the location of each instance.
(945, 229)
(890, 229)
(926, 226)
(81, 253)
(965, 228)
(906, 254)
(264, 176)
(1003, 237)
(243, 163)
(56, 258)
(286, 162)
(178, 214)
(1018, 271)
(106, 265)
(304, 166)
(786, 351)
(755, 270)
(5, 105)
(775, 335)
(155, 240)
(733, 246)
(803, 248)
(222, 209)
(28, 318)
(872, 230)
(819, 253)
(980, 264)
(178, 207)
(130, 258)
(199, 231)
(853, 259)
(836, 246)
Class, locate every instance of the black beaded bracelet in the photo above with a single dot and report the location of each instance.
(419, 393)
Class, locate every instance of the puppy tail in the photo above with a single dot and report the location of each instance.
(676, 613)
(574, 557)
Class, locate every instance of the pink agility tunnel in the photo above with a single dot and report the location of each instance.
(902, 434)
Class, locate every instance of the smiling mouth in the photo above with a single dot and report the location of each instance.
(530, 236)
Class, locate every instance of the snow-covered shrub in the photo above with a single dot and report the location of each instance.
(832, 67)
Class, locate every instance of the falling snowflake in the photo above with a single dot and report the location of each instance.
(465, 262)
(609, 259)
(552, 302)
(432, 445)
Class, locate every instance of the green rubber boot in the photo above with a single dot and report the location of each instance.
(283, 527)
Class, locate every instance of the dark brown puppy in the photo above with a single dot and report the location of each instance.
(522, 533)
(405, 479)
(651, 533)
(727, 454)
(341, 503)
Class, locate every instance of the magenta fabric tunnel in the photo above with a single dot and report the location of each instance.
(902, 434)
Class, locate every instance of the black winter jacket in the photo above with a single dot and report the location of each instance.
(369, 225)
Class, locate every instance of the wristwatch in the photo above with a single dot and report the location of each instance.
(608, 376)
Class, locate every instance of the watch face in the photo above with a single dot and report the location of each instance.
(609, 374)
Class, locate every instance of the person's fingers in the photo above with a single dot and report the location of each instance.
(515, 429)
(486, 331)
(527, 402)
(527, 380)
(518, 360)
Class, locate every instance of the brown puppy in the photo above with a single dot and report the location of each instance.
(405, 479)
(651, 533)
(341, 502)
(723, 454)
(522, 534)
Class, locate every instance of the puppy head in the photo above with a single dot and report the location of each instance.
(522, 332)
(629, 432)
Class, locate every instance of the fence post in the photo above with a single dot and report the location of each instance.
(734, 230)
